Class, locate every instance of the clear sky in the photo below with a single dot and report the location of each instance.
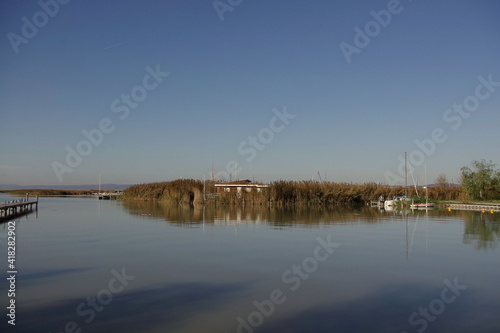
(350, 100)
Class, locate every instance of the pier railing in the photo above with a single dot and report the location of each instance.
(18, 207)
(482, 207)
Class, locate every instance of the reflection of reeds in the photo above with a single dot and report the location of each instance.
(280, 193)
(480, 229)
(195, 215)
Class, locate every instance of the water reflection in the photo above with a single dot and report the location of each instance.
(481, 229)
(171, 305)
(193, 216)
(388, 265)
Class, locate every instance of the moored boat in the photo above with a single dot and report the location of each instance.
(392, 202)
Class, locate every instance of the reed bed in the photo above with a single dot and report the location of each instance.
(282, 193)
(178, 191)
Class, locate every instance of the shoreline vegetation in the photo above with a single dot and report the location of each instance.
(43, 192)
(283, 193)
(479, 182)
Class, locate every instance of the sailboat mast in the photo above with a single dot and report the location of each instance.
(406, 177)
(426, 186)
(204, 189)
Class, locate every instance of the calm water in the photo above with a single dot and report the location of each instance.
(105, 266)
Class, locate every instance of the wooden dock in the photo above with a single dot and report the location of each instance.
(107, 195)
(17, 207)
(481, 207)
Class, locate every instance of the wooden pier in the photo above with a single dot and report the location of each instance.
(107, 195)
(17, 207)
(481, 207)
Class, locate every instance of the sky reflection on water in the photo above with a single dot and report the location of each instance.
(200, 269)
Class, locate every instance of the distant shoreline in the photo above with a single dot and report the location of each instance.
(46, 192)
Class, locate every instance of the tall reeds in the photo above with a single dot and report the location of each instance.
(185, 191)
(280, 193)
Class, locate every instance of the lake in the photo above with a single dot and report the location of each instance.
(107, 266)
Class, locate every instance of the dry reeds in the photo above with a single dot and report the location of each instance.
(281, 193)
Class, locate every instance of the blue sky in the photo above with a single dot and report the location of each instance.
(352, 120)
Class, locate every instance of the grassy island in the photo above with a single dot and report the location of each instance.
(279, 193)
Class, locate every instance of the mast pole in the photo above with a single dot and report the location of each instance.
(204, 189)
(426, 187)
(406, 176)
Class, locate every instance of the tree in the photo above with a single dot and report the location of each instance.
(442, 180)
(461, 180)
(482, 181)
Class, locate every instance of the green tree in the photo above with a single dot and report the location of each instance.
(482, 181)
